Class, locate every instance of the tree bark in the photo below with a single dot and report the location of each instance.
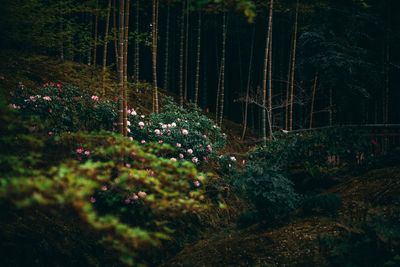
(222, 97)
(115, 33)
(196, 90)
(105, 46)
(96, 27)
(181, 55)
(246, 108)
(267, 47)
(166, 61)
(126, 42)
(121, 67)
(137, 46)
(154, 54)
(313, 99)
(293, 68)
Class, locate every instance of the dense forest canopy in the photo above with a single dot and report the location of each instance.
(345, 49)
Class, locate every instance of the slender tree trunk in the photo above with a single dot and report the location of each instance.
(293, 68)
(196, 90)
(222, 97)
(217, 105)
(267, 47)
(246, 108)
(166, 61)
(181, 93)
(270, 94)
(314, 90)
(126, 42)
(121, 67)
(89, 56)
(115, 33)
(96, 27)
(187, 50)
(287, 104)
(154, 54)
(137, 46)
(105, 46)
(330, 107)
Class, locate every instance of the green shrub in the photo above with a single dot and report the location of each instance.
(63, 108)
(322, 204)
(195, 137)
(268, 190)
(123, 191)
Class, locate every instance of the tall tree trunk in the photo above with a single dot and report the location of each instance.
(137, 47)
(89, 55)
(166, 61)
(105, 46)
(126, 42)
(264, 117)
(222, 97)
(293, 68)
(121, 102)
(187, 50)
(246, 108)
(96, 27)
(115, 33)
(154, 54)
(270, 94)
(314, 90)
(330, 107)
(196, 90)
(181, 93)
(287, 102)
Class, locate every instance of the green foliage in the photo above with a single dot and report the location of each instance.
(64, 108)
(126, 193)
(268, 190)
(322, 204)
(194, 136)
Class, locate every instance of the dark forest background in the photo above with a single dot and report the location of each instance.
(347, 49)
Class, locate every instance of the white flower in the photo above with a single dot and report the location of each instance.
(173, 159)
(178, 145)
(157, 131)
(128, 123)
(141, 124)
(47, 98)
(173, 124)
(164, 126)
(195, 160)
(185, 132)
(196, 183)
(131, 138)
(190, 151)
(128, 130)
(143, 142)
(142, 116)
(209, 148)
(233, 159)
(181, 156)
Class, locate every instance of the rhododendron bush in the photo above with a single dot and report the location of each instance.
(130, 196)
(126, 193)
(194, 136)
(63, 107)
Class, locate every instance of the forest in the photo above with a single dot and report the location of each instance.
(199, 133)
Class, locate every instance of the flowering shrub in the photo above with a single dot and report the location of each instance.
(65, 108)
(194, 136)
(127, 194)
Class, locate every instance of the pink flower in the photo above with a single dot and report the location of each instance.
(164, 126)
(128, 200)
(185, 132)
(79, 150)
(196, 183)
(134, 197)
(195, 160)
(47, 98)
(190, 151)
(178, 145)
(160, 141)
(142, 194)
(13, 106)
(50, 133)
(95, 98)
(104, 188)
(87, 153)
(181, 156)
(128, 165)
(204, 158)
(143, 142)
(141, 124)
(92, 200)
(209, 148)
(157, 131)
(58, 85)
